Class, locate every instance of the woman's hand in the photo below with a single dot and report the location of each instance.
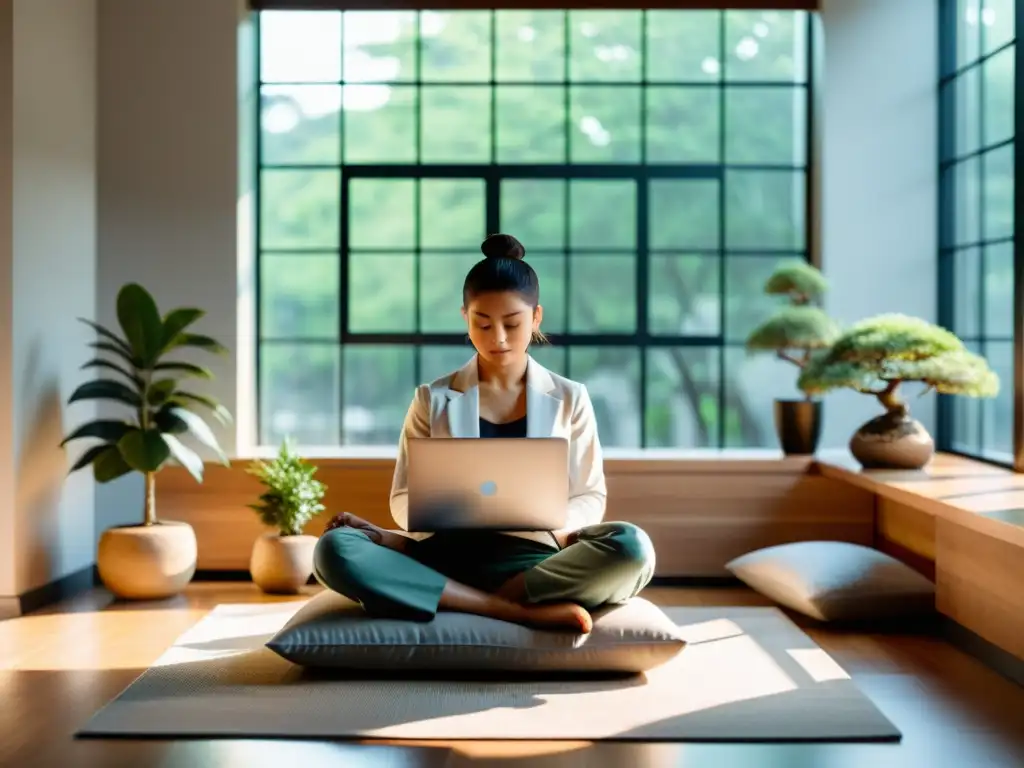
(348, 520)
(374, 533)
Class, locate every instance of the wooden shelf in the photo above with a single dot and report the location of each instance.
(976, 495)
(962, 522)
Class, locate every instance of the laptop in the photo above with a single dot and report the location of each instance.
(505, 484)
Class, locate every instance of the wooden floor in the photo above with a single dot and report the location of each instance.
(60, 665)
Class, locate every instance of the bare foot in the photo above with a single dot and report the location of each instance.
(558, 616)
(564, 616)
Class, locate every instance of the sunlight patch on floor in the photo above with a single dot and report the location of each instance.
(707, 631)
(91, 640)
(818, 664)
(732, 670)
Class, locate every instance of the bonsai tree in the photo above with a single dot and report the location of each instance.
(148, 381)
(877, 355)
(800, 326)
(293, 495)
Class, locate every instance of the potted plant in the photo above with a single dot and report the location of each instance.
(876, 356)
(156, 558)
(282, 559)
(794, 332)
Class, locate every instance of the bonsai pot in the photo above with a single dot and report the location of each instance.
(282, 564)
(798, 425)
(892, 441)
(147, 562)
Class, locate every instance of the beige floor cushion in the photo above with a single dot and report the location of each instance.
(333, 632)
(836, 581)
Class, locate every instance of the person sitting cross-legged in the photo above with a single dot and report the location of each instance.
(547, 579)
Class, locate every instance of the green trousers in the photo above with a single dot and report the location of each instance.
(608, 563)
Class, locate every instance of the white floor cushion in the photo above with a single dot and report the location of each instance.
(836, 581)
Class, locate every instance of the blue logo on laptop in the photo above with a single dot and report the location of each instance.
(489, 488)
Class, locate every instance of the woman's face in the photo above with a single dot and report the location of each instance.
(501, 326)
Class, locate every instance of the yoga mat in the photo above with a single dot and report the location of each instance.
(747, 674)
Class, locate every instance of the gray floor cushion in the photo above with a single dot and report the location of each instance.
(836, 581)
(333, 632)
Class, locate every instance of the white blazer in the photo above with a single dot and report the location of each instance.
(555, 407)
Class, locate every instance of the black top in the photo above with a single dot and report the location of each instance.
(515, 428)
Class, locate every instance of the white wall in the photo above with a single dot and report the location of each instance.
(168, 179)
(48, 261)
(879, 175)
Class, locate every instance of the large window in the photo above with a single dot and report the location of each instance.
(978, 52)
(654, 163)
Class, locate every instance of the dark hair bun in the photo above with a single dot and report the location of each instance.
(503, 247)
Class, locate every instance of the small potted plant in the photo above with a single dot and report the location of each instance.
(794, 332)
(282, 559)
(157, 558)
(876, 356)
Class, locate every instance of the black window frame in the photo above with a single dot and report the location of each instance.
(642, 172)
(948, 117)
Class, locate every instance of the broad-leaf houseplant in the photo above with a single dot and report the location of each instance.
(798, 329)
(282, 559)
(142, 373)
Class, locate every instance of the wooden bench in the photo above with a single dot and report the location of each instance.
(958, 521)
(701, 508)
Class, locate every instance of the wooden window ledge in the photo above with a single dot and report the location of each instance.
(962, 522)
(979, 496)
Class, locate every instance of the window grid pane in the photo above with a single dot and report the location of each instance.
(618, 146)
(977, 242)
